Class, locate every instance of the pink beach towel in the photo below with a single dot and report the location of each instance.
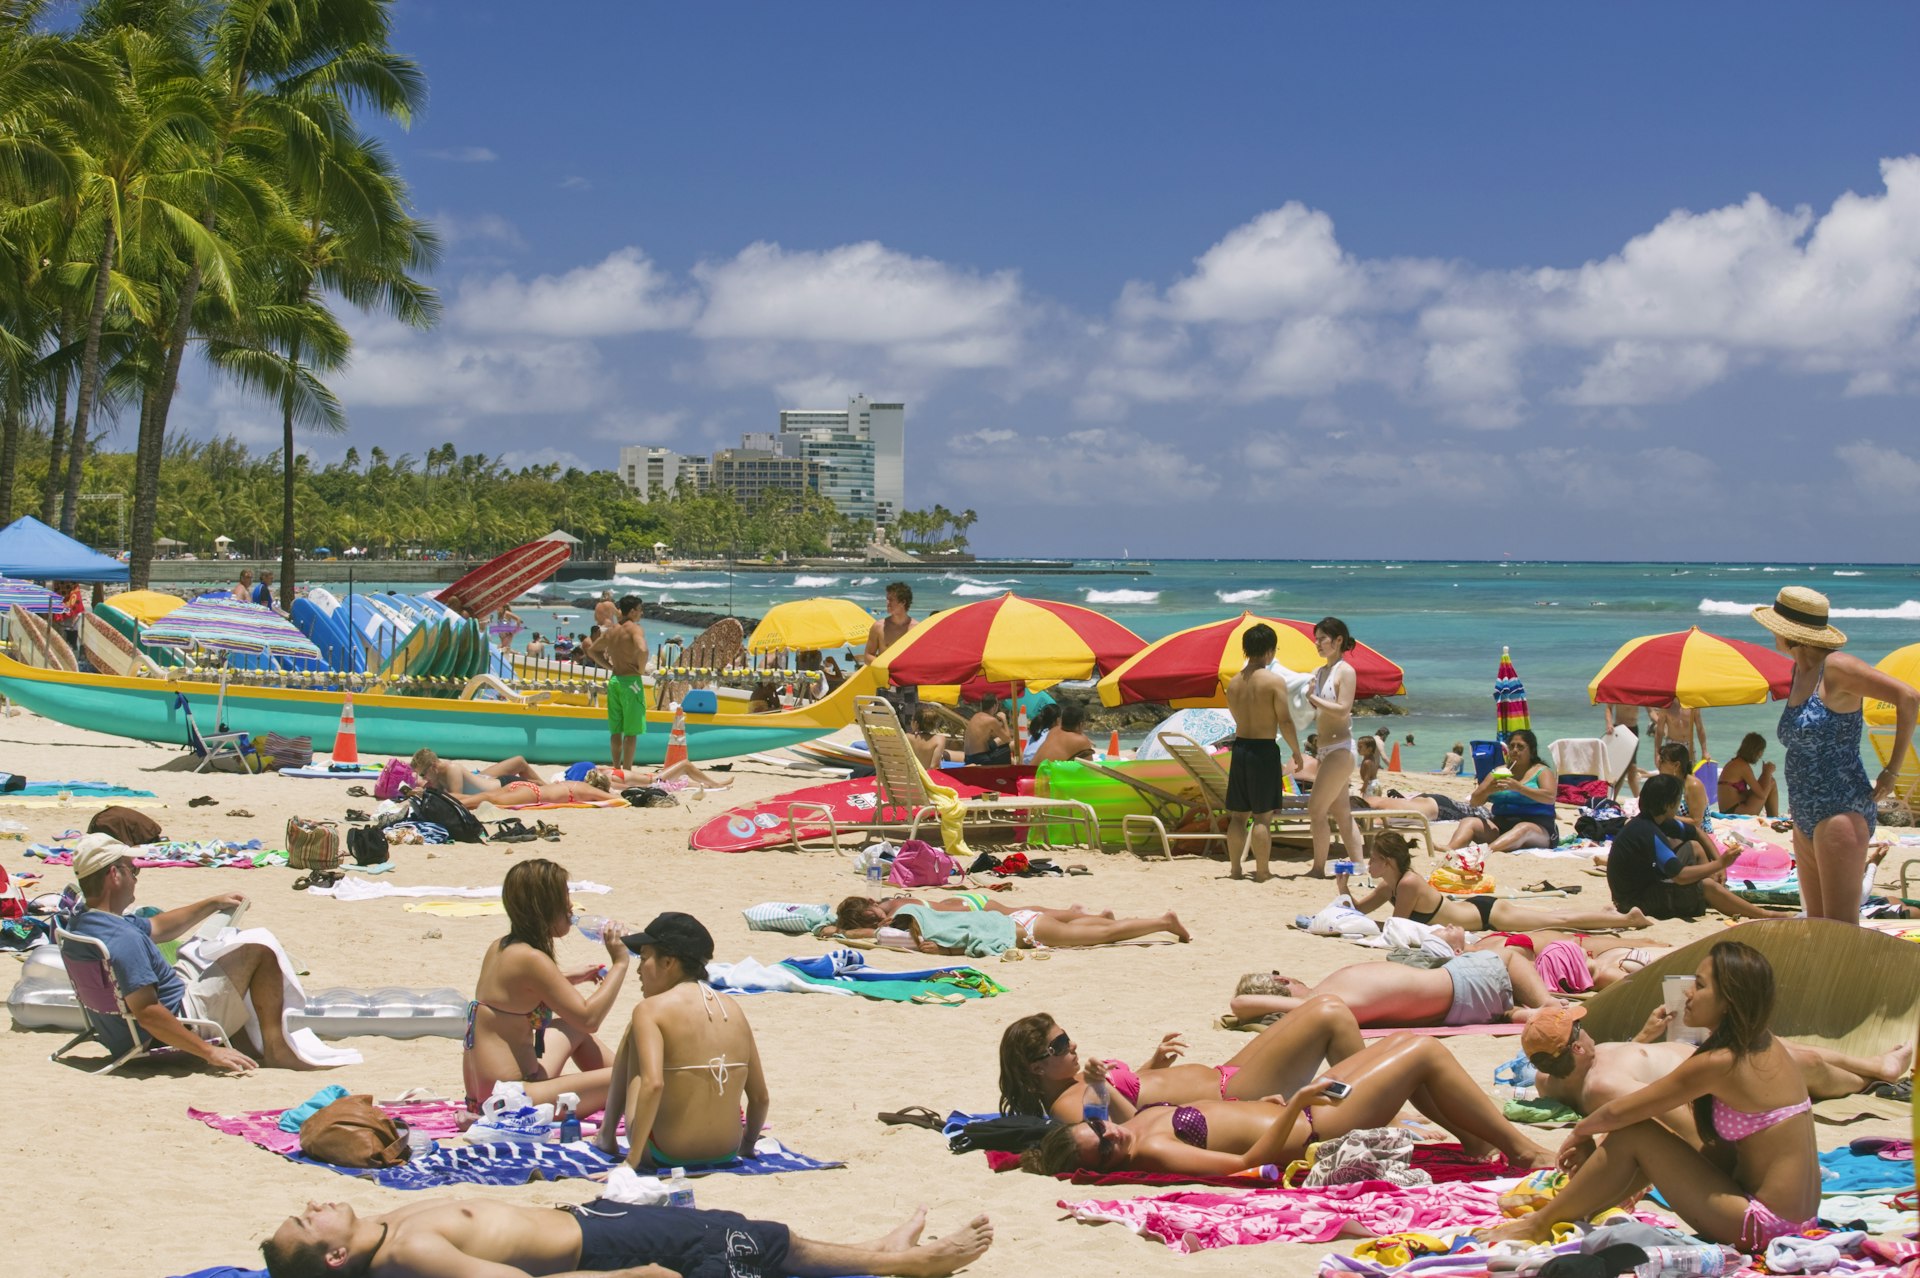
(1370, 1209)
(1443, 1161)
(438, 1119)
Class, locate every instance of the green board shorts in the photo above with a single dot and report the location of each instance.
(627, 705)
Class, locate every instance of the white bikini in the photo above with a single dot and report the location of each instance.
(1322, 678)
(718, 1067)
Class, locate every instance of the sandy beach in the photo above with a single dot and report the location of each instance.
(199, 1198)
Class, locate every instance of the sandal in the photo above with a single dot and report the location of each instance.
(358, 792)
(914, 1116)
(240, 812)
(317, 878)
(204, 801)
(1544, 886)
(355, 814)
(942, 999)
(1078, 869)
(549, 832)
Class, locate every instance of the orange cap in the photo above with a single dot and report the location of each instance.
(1551, 1030)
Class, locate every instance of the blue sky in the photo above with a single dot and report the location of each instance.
(1387, 280)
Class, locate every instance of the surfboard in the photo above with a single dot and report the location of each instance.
(764, 825)
(38, 644)
(109, 651)
(503, 579)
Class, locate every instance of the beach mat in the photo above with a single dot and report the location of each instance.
(1444, 1162)
(455, 1162)
(321, 772)
(218, 854)
(1853, 989)
(1199, 1221)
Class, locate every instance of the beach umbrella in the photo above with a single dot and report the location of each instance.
(1904, 665)
(1509, 699)
(228, 625)
(806, 625)
(1204, 724)
(1008, 640)
(27, 596)
(1191, 667)
(146, 606)
(1698, 668)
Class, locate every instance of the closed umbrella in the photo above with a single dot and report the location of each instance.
(1696, 668)
(27, 596)
(1509, 699)
(807, 625)
(1191, 667)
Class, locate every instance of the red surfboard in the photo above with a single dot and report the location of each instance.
(501, 580)
(765, 825)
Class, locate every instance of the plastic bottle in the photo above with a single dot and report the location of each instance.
(591, 925)
(1682, 1262)
(1095, 1106)
(680, 1193)
(567, 1110)
(419, 1144)
(876, 869)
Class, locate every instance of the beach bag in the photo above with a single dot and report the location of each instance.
(367, 845)
(648, 796)
(11, 781)
(124, 825)
(920, 864)
(312, 845)
(286, 752)
(433, 807)
(354, 1132)
(396, 775)
(1367, 1153)
(1009, 1134)
(1600, 820)
(12, 904)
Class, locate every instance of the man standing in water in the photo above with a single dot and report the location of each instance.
(622, 649)
(885, 633)
(1257, 698)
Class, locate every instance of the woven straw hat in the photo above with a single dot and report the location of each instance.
(1799, 615)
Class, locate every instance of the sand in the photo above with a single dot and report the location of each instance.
(110, 1176)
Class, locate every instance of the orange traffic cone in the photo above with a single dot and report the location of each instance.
(1395, 765)
(1113, 744)
(346, 744)
(677, 740)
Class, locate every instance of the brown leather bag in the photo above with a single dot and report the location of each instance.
(312, 845)
(354, 1132)
(135, 829)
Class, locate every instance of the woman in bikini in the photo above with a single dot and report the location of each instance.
(1748, 786)
(1219, 1138)
(928, 742)
(1331, 693)
(1759, 1175)
(1041, 1071)
(865, 914)
(1390, 862)
(597, 788)
(687, 1077)
(1574, 963)
(1520, 797)
(527, 1020)
(981, 933)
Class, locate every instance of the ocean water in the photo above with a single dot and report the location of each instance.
(1443, 622)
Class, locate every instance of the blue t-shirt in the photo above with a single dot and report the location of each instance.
(137, 962)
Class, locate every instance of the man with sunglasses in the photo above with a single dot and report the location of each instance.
(159, 993)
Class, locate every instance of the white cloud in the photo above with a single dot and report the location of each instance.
(394, 366)
(462, 154)
(574, 182)
(477, 228)
(1881, 471)
(1639, 372)
(1093, 467)
(625, 293)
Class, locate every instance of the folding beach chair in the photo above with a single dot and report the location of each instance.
(219, 745)
(91, 970)
(1170, 817)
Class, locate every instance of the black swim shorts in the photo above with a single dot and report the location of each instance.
(1253, 775)
(691, 1242)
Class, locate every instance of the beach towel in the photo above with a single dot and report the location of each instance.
(304, 1042)
(184, 854)
(1844, 1172)
(1454, 1264)
(846, 972)
(78, 789)
(1446, 1163)
(358, 889)
(1199, 1221)
(539, 807)
(455, 1162)
(1443, 1031)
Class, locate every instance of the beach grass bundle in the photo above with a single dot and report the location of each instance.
(1854, 989)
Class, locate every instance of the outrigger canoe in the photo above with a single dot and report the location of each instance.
(147, 710)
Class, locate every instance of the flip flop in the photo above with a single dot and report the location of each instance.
(204, 801)
(914, 1116)
(1544, 886)
(942, 999)
(1900, 1091)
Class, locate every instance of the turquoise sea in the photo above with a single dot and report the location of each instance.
(1443, 621)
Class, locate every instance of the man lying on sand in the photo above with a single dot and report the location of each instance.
(437, 772)
(455, 1238)
(1572, 1068)
(159, 994)
(1478, 988)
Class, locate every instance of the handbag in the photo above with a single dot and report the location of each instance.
(394, 777)
(920, 864)
(354, 1132)
(312, 845)
(368, 845)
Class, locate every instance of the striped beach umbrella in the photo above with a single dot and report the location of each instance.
(228, 625)
(1008, 640)
(1509, 698)
(27, 596)
(1698, 668)
(1191, 667)
(807, 625)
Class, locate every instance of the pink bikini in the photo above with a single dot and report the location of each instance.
(1122, 1079)
(1761, 1224)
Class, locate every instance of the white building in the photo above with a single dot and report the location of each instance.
(650, 471)
(835, 438)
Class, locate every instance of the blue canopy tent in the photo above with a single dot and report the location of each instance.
(28, 548)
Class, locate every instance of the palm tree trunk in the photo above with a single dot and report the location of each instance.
(153, 433)
(10, 448)
(89, 380)
(286, 482)
(57, 456)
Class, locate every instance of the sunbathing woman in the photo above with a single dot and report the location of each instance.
(1041, 1072)
(981, 934)
(1331, 693)
(1759, 1177)
(1479, 988)
(1521, 796)
(688, 1066)
(1390, 861)
(597, 788)
(867, 915)
(1572, 963)
(1218, 1138)
(527, 1022)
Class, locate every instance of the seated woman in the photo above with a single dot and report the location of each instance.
(1675, 760)
(455, 780)
(1041, 1073)
(527, 1022)
(1665, 868)
(1369, 748)
(928, 742)
(865, 914)
(1745, 791)
(1390, 862)
(1521, 796)
(985, 933)
(1042, 724)
(1478, 988)
(1455, 759)
(688, 1066)
(1759, 1175)
(1218, 1138)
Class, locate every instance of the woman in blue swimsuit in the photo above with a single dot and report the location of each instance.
(1833, 805)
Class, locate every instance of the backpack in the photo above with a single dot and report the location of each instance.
(396, 775)
(920, 864)
(434, 807)
(1600, 820)
(367, 844)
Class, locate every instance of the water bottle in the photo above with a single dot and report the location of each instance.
(419, 1144)
(1095, 1106)
(876, 867)
(567, 1109)
(591, 926)
(680, 1193)
(1682, 1262)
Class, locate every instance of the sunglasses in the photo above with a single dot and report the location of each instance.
(1058, 1045)
(1106, 1138)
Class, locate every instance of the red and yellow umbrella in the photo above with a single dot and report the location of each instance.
(1700, 669)
(1904, 665)
(1191, 667)
(1007, 640)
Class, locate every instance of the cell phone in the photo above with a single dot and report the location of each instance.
(1337, 1090)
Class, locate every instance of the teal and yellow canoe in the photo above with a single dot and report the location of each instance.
(146, 710)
